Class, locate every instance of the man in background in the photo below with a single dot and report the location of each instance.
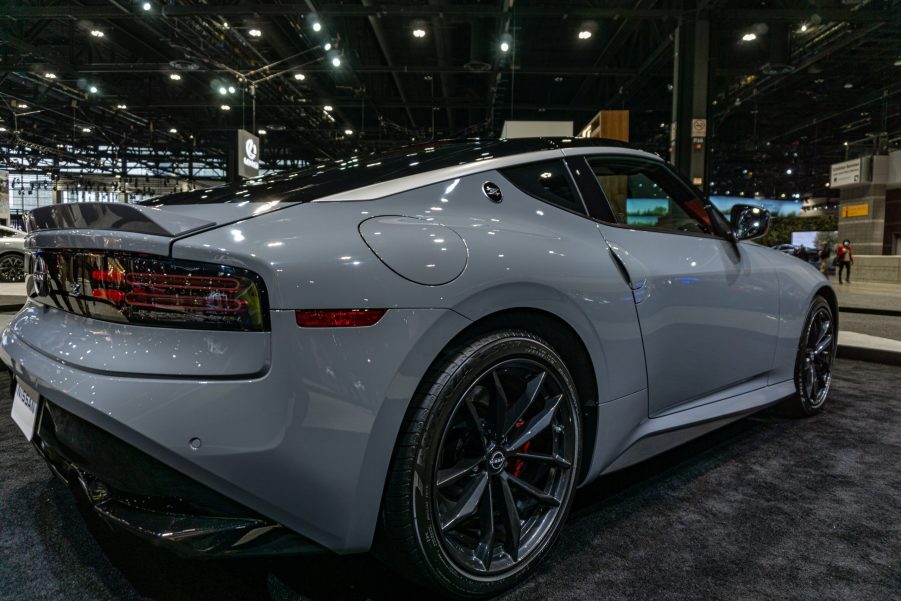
(844, 259)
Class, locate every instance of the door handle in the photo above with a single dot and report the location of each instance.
(624, 272)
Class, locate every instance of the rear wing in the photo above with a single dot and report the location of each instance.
(113, 216)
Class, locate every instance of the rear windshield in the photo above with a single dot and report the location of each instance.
(335, 177)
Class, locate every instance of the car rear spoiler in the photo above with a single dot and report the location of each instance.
(113, 216)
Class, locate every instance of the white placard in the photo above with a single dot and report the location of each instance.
(25, 411)
(843, 174)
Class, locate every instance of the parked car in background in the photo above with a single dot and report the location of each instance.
(12, 254)
(423, 353)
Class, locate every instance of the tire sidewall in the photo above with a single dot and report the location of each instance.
(445, 397)
(804, 404)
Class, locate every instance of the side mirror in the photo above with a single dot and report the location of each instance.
(749, 221)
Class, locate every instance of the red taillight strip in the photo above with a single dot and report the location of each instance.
(338, 318)
(183, 282)
(108, 276)
(184, 303)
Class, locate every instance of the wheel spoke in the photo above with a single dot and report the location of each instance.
(555, 460)
(476, 421)
(511, 519)
(824, 330)
(468, 503)
(814, 381)
(537, 424)
(485, 548)
(461, 468)
(516, 413)
(542, 497)
(825, 343)
(500, 404)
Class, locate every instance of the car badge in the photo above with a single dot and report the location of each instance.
(39, 276)
(492, 191)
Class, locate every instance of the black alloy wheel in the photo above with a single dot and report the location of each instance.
(816, 353)
(494, 462)
(12, 267)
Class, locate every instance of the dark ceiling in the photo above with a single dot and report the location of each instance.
(842, 57)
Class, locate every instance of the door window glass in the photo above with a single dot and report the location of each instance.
(645, 194)
(547, 181)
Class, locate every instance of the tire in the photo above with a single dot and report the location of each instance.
(813, 364)
(461, 464)
(12, 267)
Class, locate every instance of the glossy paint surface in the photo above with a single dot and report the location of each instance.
(299, 424)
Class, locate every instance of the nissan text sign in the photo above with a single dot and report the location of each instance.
(248, 154)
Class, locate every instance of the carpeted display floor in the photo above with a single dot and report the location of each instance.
(767, 508)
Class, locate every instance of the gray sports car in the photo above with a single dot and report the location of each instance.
(422, 353)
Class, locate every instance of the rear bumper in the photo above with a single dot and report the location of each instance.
(305, 445)
(134, 492)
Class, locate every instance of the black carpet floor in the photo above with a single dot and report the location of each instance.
(767, 508)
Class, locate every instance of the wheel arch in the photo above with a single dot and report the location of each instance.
(829, 294)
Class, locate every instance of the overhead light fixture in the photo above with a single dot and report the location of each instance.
(804, 28)
(328, 46)
(336, 62)
(146, 6)
(86, 130)
(317, 26)
(348, 132)
(749, 37)
(174, 76)
(299, 76)
(93, 89)
(261, 132)
(97, 33)
(172, 130)
(22, 106)
(223, 90)
(788, 171)
(225, 107)
(327, 108)
(848, 85)
(231, 89)
(898, 62)
(505, 46)
(419, 33)
(584, 34)
(50, 75)
(121, 107)
(255, 33)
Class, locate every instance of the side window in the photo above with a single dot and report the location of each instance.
(547, 181)
(645, 194)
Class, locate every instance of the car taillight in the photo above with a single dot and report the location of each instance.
(153, 291)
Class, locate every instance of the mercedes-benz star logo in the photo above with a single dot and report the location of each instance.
(39, 277)
(250, 150)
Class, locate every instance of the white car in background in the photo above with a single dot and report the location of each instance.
(12, 254)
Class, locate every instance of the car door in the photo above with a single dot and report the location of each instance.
(708, 310)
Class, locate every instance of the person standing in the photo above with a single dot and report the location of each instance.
(844, 259)
(825, 253)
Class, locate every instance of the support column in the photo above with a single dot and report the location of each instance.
(688, 136)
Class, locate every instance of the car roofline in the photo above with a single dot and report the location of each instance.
(419, 180)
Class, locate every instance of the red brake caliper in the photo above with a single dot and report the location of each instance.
(525, 449)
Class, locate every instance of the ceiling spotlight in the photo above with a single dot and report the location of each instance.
(97, 33)
(225, 107)
(50, 75)
(146, 6)
(86, 130)
(223, 90)
(845, 144)
(327, 108)
(348, 132)
(848, 85)
(121, 107)
(172, 130)
(336, 62)
(93, 89)
(255, 33)
(174, 76)
(231, 89)
(22, 106)
(788, 171)
(584, 34)
(505, 46)
(749, 37)
(299, 76)
(419, 33)
(317, 26)
(803, 28)
(261, 132)
(328, 46)
(2, 129)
